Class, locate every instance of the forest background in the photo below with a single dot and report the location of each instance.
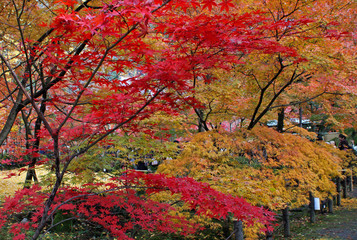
(92, 89)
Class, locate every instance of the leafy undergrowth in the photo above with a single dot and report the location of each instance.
(342, 224)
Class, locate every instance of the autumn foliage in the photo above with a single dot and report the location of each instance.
(243, 163)
(263, 166)
(123, 205)
(88, 84)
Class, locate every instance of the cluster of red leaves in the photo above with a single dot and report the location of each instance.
(170, 48)
(125, 203)
(203, 199)
(192, 44)
(25, 200)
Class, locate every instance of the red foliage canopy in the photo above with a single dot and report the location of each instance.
(101, 68)
(125, 203)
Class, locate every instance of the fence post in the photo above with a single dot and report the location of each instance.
(312, 208)
(338, 187)
(344, 185)
(323, 206)
(286, 222)
(238, 229)
(344, 188)
(330, 205)
(351, 181)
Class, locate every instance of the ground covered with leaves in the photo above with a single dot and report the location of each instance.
(8, 186)
(342, 224)
(12, 180)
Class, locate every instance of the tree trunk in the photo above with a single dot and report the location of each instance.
(300, 116)
(201, 123)
(281, 116)
(31, 172)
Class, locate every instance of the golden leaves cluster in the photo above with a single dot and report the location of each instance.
(265, 167)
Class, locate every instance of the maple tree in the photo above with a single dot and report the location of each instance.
(99, 69)
(88, 75)
(322, 68)
(268, 82)
(262, 165)
(119, 209)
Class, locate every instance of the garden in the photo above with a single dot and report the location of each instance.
(167, 119)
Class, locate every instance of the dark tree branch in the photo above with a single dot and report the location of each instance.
(262, 94)
(19, 104)
(294, 76)
(298, 102)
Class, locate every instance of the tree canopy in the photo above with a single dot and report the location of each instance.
(105, 84)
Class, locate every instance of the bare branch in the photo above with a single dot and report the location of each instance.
(293, 77)
(298, 102)
(262, 94)
(15, 77)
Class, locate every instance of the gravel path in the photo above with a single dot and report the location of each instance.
(344, 224)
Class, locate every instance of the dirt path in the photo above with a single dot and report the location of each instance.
(341, 225)
(344, 226)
